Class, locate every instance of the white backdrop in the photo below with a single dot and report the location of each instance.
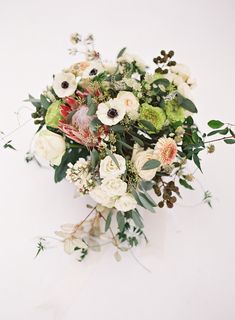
(192, 254)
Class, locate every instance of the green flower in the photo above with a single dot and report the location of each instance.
(155, 115)
(174, 112)
(53, 115)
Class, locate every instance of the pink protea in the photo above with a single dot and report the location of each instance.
(166, 150)
(78, 127)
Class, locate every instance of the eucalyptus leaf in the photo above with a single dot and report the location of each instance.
(137, 219)
(44, 102)
(91, 105)
(113, 157)
(108, 221)
(120, 221)
(186, 103)
(148, 125)
(121, 52)
(151, 164)
(94, 158)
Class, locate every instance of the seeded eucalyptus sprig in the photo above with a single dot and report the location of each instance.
(164, 61)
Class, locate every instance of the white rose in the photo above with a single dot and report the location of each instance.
(50, 146)
(108, 167)
(130, 103)
(139, 158)
(125, 203)
(114, 186)
(101, 197)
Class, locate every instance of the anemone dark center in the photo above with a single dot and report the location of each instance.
(93, 72)
(64, 84)
(112, 113)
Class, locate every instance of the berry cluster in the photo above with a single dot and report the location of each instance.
(166, 190)
(163, 61)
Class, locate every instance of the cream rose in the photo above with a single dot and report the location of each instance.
(130, 103)
(114, 186)
(50, 146)
(125, 203)
(101, 197)
(139, 158)
(108, 167)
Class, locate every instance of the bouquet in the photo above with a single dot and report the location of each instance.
(119, 132)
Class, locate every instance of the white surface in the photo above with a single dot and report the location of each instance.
(192, 255)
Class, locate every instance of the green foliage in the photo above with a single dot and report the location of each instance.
(120, 221)
(45, 102)
(184, 183)
(121, 52)
(108, 221)
(94, 158)
(71, 155)
(91, 105)
(215, 124)
(8, 145)
(137, 218)
(229, 141)
(186, 103)
(151, 164)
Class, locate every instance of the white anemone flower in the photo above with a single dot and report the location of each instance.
(64, 84)
(93, 69)
(111, 112)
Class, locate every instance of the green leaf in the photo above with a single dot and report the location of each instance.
(94, 158)
(142, 201)
(91, 105)
(186, 103)
(120, 221)
(148, 198)
(151, 164)
(162, 81)
(137, 219)
(121, 52)
(222, 131)
(35, 102)
(229, 141)
(137, 140)
(148, 125)
(147, 185)
(185, 184)
(215, 124)
(118, 128)
(108, 221)
(72, 156)
(44, 102)
(95, 123)
(113, 157)
(9, 145)
(197, 161)
(125, 144)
